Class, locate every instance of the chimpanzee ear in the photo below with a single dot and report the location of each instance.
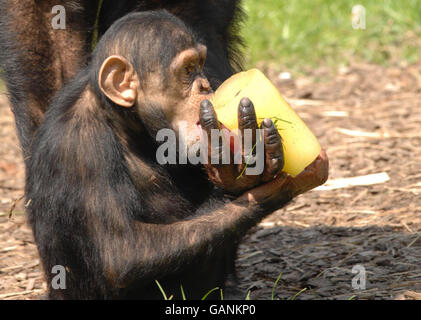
(118, 81)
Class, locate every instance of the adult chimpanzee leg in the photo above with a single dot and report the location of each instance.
(38, 59)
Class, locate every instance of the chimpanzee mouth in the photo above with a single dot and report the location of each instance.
(199, 130)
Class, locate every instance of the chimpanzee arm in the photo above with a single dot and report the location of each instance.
(184, 241)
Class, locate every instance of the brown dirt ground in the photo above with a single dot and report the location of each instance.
(317, 239)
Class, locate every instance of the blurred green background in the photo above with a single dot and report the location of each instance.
(301, 34)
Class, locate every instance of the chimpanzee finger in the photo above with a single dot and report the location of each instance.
(274, 154)
(218, 150)
(210, 125)
(247, 124)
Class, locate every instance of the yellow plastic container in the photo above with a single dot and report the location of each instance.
(300, 145)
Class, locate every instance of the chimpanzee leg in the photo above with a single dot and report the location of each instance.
(38, 59)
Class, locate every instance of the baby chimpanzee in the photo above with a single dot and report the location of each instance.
(104, 208)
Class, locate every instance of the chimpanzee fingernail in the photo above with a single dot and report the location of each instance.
(267, 123)
(206, 109)
(245, 103)
(205, 104)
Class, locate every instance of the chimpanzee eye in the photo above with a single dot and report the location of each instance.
(190, 70)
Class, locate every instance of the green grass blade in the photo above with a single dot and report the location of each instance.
(162, 290)
(298, 293)
(247, 163)
(248, 295)
(183, 295)
(275, 284)
(209, 292)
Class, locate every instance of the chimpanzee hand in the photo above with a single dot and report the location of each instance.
(233, 178)
(276, 193)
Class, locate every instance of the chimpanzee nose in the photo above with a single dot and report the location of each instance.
(204, 86)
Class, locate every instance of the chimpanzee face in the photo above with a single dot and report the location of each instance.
(174, 93)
